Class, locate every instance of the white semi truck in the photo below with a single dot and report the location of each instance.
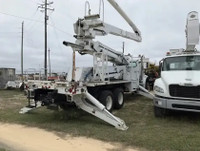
(178, 87)
(100, 88)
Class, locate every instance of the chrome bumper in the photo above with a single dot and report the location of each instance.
(177, 104)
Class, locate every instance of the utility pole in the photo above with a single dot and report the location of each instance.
(73, 66)
(123, 47)
(22, 49)
(44, 8)
(49, 63)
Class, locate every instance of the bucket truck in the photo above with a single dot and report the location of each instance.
(98, 89)
(178, 87)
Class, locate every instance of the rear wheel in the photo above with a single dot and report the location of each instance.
(106, 98)
(118, 96)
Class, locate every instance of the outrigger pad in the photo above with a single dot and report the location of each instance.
(28, 108)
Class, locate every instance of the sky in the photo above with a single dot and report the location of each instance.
(161, 22)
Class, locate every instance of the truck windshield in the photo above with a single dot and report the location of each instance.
(182, 63)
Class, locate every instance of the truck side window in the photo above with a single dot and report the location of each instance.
(197, 66)
(133, 64)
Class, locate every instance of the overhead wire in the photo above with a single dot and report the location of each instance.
(57, 37)
(60, 30)
(32, 16)
(35, 21)
(31, 25)
(8, 32)
(21, 17)
(32, 1)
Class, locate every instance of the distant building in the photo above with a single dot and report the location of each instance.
(6, 74)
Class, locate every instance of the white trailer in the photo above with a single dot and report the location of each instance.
(178, 87)
(98, 89)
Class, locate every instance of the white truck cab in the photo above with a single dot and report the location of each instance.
(178, 87)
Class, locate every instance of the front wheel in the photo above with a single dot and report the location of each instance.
(106, 98)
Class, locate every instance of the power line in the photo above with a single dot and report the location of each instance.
(32, 16)
(21, 17)
(60, 30)
(24, 18)
(31, 1)
(8, 32)
(10, 36)
(57, 37)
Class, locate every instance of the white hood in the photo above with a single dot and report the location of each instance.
(191, 78)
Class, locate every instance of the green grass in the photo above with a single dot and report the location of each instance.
(177, 132)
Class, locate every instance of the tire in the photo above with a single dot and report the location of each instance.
(159, 112)
(118, 97)
(106, 98)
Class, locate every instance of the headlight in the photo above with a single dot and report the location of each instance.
(158, 89)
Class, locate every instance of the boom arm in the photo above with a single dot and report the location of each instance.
(119, 32)
(123, 14)
(192, 31)
(90, 26)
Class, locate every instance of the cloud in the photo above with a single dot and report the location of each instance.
(162, 24)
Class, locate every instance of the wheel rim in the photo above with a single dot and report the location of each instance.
(109, 102)
(120, 98)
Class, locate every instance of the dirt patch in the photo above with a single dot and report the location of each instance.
(23, 138)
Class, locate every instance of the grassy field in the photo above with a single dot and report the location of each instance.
(177, 132)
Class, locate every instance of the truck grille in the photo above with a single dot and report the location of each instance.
(184, 91)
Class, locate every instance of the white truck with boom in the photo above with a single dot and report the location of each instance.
(178, 87)
(98, 89)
